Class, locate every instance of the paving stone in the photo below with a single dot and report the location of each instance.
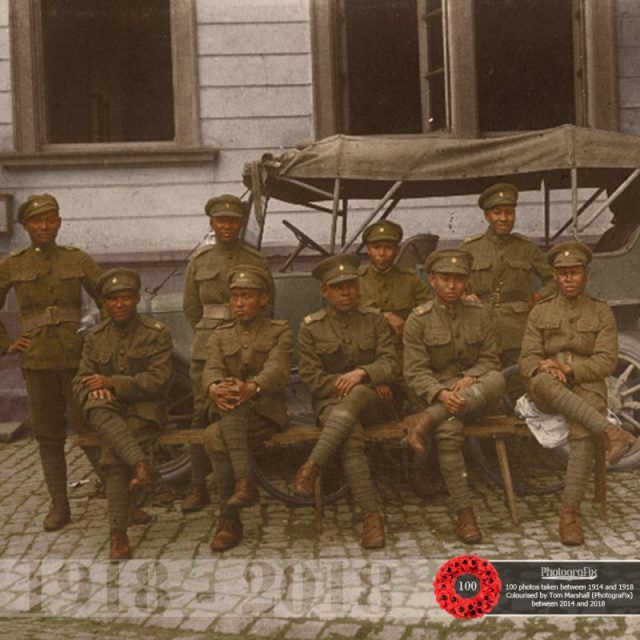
(305, 630)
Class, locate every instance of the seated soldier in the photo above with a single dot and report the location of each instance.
(248, 362)
(123, 374)
(451, 364)
(570, 346)
(393, 290)
(348, 361)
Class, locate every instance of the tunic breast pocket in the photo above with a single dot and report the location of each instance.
(519, 277)
(102, 360)
(440, 347)
(210, 285)
(332, 357)
(139, 360)
(552, 337)
(366, 342)
(261, 347)
(230, 354)
(481, 275)
(587, 331)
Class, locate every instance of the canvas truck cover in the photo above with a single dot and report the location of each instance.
(441, 166)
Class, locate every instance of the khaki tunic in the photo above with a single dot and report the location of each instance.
(332, 343)
(502, 276)
(48, 282)
(442, 346)
(259, 351)
(396, 290)
(137, 358)
(580, 332)
(206, 284)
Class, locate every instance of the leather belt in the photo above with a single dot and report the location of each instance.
(50, 316)
(216, 312)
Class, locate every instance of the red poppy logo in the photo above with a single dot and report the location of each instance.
(467, 587)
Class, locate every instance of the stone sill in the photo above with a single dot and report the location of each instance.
(138, 154)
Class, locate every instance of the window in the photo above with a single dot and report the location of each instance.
(466, 67)
(96, 77)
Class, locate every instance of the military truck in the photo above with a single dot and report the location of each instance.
(597, 171)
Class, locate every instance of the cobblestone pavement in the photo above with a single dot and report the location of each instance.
(285, 580)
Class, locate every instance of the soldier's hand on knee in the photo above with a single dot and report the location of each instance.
(348, 380)
(22, 343)
(453, 402)
(101, 394)
(384, 392)
(97, 381)
(463, 383)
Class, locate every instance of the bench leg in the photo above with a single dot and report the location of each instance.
(505, 472)
(318, 502)
(600, 477)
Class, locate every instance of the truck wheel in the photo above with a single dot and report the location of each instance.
(623, 388)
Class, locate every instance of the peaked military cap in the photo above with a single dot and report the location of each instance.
(118, 279)
(337, 268)
(248, 276)
(449, 261)
(381, 231)
(498, 194)
(35, 205)
(225, 205)
(569, 254)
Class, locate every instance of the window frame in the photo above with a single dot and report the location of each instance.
(595, 48)
(31, 148)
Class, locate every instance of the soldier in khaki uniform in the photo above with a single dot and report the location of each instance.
(504, 266)
(451, 364)
(121, 382)
(48, 280)
(570, 346)
(348, 361)
(393, 290)
(245, 374)
(205, 303)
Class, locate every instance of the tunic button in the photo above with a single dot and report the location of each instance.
(121, 352)
(347, 341)
(121, 369)
(245, 345)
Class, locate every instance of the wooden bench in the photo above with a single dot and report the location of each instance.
(496, 428)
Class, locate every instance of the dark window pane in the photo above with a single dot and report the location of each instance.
(107, 70)
(382, 66)
(525, 64)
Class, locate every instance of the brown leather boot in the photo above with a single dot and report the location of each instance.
(466, 527)
(138, 516)
(618, 442)
(570, 526)
(120, 549)
(228, 532)
(304, 481)
(372, 531)
(197, 498)
(245, 493)
(416, 426)
(141, 479)
(59, 515)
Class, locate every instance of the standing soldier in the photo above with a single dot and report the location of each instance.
(393, 290)
(451, 364)
(348, 361)
(570, 346)
(121, 380)
(206, 305)
(504, 266)
(245, 375)
(48, 280)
